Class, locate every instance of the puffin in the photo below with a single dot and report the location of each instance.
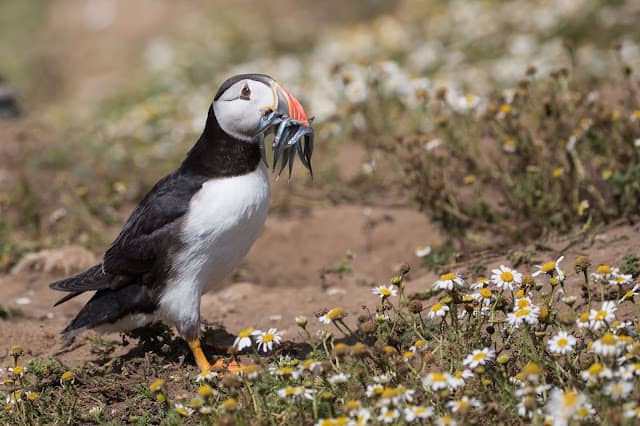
(195, 224)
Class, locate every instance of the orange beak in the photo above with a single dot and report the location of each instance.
(294, 106)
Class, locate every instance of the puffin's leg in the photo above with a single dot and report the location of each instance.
(204, 365)
(201, 359)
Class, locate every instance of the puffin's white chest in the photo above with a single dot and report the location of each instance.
(224, 219)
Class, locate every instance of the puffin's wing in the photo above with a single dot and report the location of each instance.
(152, 228)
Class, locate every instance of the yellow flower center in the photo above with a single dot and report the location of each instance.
(267, 337)
(385, 292)
(595, 369)
(523, 303)
(246, 332)
(436, 307)
(462, 405)
(603, 269)
(388, 393)
(570, 398)
(485, 292)
(584, 317)
(506, 276)
(557, 172)
(600, 315)
(522, 313)
(562, 342)
(438, 377)
(446, 420)
(335, 313)
(505, 108)
(609, 339)
(447, 277)
(532, 369)
(479, 356)
(548, 267)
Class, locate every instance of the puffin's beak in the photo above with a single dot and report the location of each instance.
(292, 128)
(289, 106)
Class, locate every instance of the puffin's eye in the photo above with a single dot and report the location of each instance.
(246, 92)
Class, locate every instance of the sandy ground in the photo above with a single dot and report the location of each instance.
(283, 275)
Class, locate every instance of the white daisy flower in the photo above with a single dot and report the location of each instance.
(295, 393)
(457, 379)
(383, 378)
(436, 380)
(448, 282)
(243, 340)
(525, 315)
(605, 315)
(388, 415)
(465, 103)
(479, 357)
(506, 278)
(183, 410)
(356, 91)
(423, 251)
(206, 377)
(332, 315)
(633, 412)
(608, 345)
(417, 412)
(439, 310)
(266, 340)
(339, 378)
(595, 372)
(384, 292)
(446, 421)
(550, 268)
(564, 404)
(621, 279)
(618, 390)
(629, 295)
(562, 343)
(464, 404)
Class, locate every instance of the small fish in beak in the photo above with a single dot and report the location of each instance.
(293, 132)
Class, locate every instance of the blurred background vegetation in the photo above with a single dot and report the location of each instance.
(502, 120)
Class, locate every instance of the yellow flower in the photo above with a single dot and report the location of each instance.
(469, 179)
(156, 385)
(230, 404)
(606, 174)
(558, 172)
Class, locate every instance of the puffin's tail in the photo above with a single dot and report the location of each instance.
(92, 279)
(108, 306)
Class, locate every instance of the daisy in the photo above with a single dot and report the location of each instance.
(436, 380)
(549, 268)
(387, 415)
(506, 278)
(244, 339)
(628, 372)
(448, 281)
(607, 345)
(603, 273)
(562, 343)
(480, 283)
(464, 404)
(596, 371)
(632, 413)
(619, 390)
(583, 320)
(456, 380)
(479, 357)
(629, 295)
(564, 404)
(621, 279)
(183, 410)
(332, 315)
(525, 315)
(423, 251)
(438, 310)
(606, 314)
(384, 292)
(267, 339)
(295, 393)
(413, 412)
(445, 421)
(339, 378)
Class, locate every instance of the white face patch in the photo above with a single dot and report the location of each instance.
(239, 108)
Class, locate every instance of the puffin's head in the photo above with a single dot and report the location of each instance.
(248, 106)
